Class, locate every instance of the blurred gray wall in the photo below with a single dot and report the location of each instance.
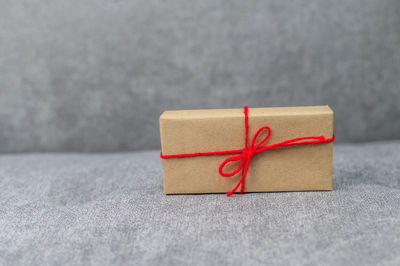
(95, 75)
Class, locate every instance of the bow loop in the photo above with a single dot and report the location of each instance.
(263, 140)
(228, 160)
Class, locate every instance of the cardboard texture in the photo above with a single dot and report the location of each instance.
(295, 168)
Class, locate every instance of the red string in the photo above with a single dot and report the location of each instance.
(244, 155)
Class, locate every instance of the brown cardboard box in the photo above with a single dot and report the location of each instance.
(294, 168)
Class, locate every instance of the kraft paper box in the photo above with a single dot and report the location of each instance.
(294, 168)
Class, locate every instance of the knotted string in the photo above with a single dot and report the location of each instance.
(244, 155)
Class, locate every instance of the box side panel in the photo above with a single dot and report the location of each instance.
(295, 168)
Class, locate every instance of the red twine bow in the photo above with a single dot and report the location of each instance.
(244, 155)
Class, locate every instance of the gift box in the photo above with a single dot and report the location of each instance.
(247, 150)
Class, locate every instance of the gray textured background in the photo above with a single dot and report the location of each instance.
(109, 209)
(95, 75)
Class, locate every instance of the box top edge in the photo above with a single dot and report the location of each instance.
(257, 111)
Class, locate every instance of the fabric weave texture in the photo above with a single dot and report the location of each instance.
(109, 209)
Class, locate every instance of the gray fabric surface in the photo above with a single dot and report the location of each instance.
(95, 75)
(108, 209)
